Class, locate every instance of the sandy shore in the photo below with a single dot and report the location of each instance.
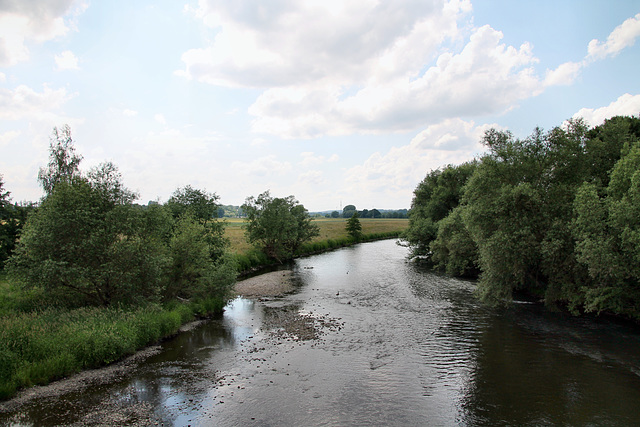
(272, 284)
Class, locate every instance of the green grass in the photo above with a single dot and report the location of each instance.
(39, 346)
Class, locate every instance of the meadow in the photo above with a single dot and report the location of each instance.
(330, 229)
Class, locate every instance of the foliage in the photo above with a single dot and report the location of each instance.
(82, 247)
(193, 272)
(453, 250)
(434, 198)
(37, 347)
(353, 227)
(607, 232)
(200, 204)
(554, 215)
(63, 160)
(12, 218)
(348, 211)
(203, 207)
(277, 226)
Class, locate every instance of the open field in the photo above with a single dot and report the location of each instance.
(330, 228)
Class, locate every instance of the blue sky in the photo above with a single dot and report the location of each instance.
(333, 102)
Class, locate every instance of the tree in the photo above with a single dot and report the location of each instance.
(203, 207)
(607, 232)
(84, 246)
(8, 226)
(63, 160)
(335, 214)
(193, 273)
(434, 198)
(353, 227)
(278, 226)
(348, 211)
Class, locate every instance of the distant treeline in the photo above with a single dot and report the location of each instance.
(555, 215)
(350, 210)
(230, 211)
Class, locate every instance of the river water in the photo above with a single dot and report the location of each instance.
(368, 338)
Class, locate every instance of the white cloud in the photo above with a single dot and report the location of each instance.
(160, 119)
(625, 105)
(7, 137)
(312, 177)
(485, 77)
(309, 158)
(3, 78)
(624, 35)
(394, 175)
(129, 113)
(565, 74)
(26, 21)
(295, 42)
(24, 102)
(262, 167)
(66, 61)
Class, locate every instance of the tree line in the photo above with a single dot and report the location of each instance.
(87, 244)
(350, 210)
(555, 215)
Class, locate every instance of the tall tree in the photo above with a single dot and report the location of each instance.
(63, 160)
(434, 198)
(278, 226)
(82, 246)
(353, 227)
(203, 207)
(348, 211)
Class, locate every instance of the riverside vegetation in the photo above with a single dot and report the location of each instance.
(555, 215)
(87, 277)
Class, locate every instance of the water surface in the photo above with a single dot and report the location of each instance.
(368, 338)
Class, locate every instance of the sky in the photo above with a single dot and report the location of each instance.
(333, 102)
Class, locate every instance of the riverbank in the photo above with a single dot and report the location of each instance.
(41, 346)
(267, 285)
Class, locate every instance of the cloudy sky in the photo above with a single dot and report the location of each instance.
(334, 102)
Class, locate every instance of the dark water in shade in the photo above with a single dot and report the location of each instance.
(391, 345)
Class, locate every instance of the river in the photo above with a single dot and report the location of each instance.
(369, 338)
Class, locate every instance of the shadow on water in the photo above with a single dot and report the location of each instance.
(370, 339)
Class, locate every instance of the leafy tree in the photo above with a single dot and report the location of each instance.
(607, 232)
(453, 250)
(203, 207)
(434, 198)
(375, 213)
(278, 226)
(63, 160)
(353, 227)
(84, 246)
(519, 209)
(348, 211)
(193, 273)
(335, 214)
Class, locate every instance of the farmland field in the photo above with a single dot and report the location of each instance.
(330, 228)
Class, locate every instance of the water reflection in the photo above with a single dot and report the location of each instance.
(369, 339)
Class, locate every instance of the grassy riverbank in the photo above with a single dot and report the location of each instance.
(38, 346)
(40, 343)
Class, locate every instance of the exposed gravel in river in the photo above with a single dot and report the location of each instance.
(276, 283)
